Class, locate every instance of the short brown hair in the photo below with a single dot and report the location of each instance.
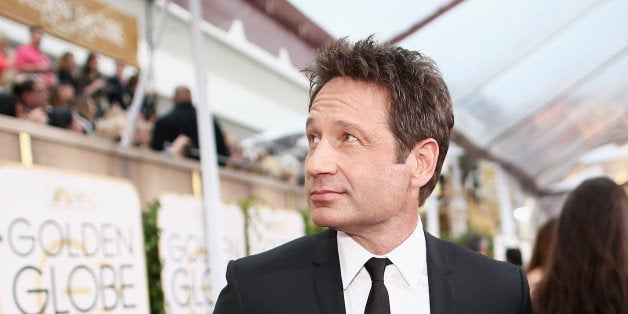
(420, 104)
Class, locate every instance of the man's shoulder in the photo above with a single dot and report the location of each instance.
(297, 251)
(462, 259)
(483, 285)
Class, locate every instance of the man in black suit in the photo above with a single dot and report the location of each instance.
(181, 121)
(378, 130)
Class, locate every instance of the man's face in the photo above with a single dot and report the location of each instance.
(352, 179)
(36, 36)
(38, 96)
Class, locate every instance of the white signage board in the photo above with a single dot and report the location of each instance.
(186, 269)
(270, 227)
(70, 243)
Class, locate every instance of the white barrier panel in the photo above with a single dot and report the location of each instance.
(70, 243)
(233, 242)
(185, 275)
(269, 228)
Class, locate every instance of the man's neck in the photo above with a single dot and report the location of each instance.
(380, 241)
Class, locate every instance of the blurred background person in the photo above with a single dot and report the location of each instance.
(62, 95)
(181, 120)
(30, 59)
(117, 87)
(513, 256)
(66, 118)
(92, 83)
(476, 242)
(6, 71)
(66, 70)
(540, 254)
(31, 97)
(86, 110)
(588, 268)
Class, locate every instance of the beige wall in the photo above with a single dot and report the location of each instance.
(151, 173)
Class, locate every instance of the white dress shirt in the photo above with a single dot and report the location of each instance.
(405, 280)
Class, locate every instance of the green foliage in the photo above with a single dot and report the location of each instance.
(310, 227)
(246, 205)
(153, 262)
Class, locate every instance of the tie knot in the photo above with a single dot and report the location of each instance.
(376, 267)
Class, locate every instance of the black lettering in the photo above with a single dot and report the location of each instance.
(19, 279)
(30, 239)
(124, 285)
(180, 275)
(53, 292)
(126, 242)
(41, 237)
(70, 285)
(68, 242)
(87, 228)
(108, 287)
(106, 240)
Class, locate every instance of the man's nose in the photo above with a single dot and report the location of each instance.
(321, 160)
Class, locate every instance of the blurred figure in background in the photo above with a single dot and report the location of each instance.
(30, 59)
(32, 97)
(66, 118)
(6, 72)
(86, 110)
(181, 120)
(540, 254)
(62, 95)
(92, 83)
(66, 70)
(477, 242)
(117, 87)
(513, 256)
(588, 268)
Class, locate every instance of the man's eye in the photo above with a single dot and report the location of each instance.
(350, 138)
(313, 139)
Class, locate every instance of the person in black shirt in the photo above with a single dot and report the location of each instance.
(181, 120)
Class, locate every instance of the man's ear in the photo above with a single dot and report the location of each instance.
(425, 155)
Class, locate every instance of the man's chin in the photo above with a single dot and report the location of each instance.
(323, 217)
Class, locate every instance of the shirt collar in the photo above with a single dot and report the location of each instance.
(409, 257)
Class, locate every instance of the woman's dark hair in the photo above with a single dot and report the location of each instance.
(542, 245)
(420, 104)
(588, 268)
(86, 69)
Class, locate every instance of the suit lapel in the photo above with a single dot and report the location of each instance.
(442, 289)
(327, 273)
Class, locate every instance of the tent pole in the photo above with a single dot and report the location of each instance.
(145, 77)
(209, 162)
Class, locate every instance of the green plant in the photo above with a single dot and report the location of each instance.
(153, 265)
(246, 205)
(310, 227)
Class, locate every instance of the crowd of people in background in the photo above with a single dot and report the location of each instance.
(80, 98)
(64, 95)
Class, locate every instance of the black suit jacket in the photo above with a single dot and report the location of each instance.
(182, 120)
(303, 276)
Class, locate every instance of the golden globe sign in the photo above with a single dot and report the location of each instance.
(70, 243)
(185, 275)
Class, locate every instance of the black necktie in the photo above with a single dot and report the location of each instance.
(377, 303)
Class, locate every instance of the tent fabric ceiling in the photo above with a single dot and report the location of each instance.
(536, 84)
